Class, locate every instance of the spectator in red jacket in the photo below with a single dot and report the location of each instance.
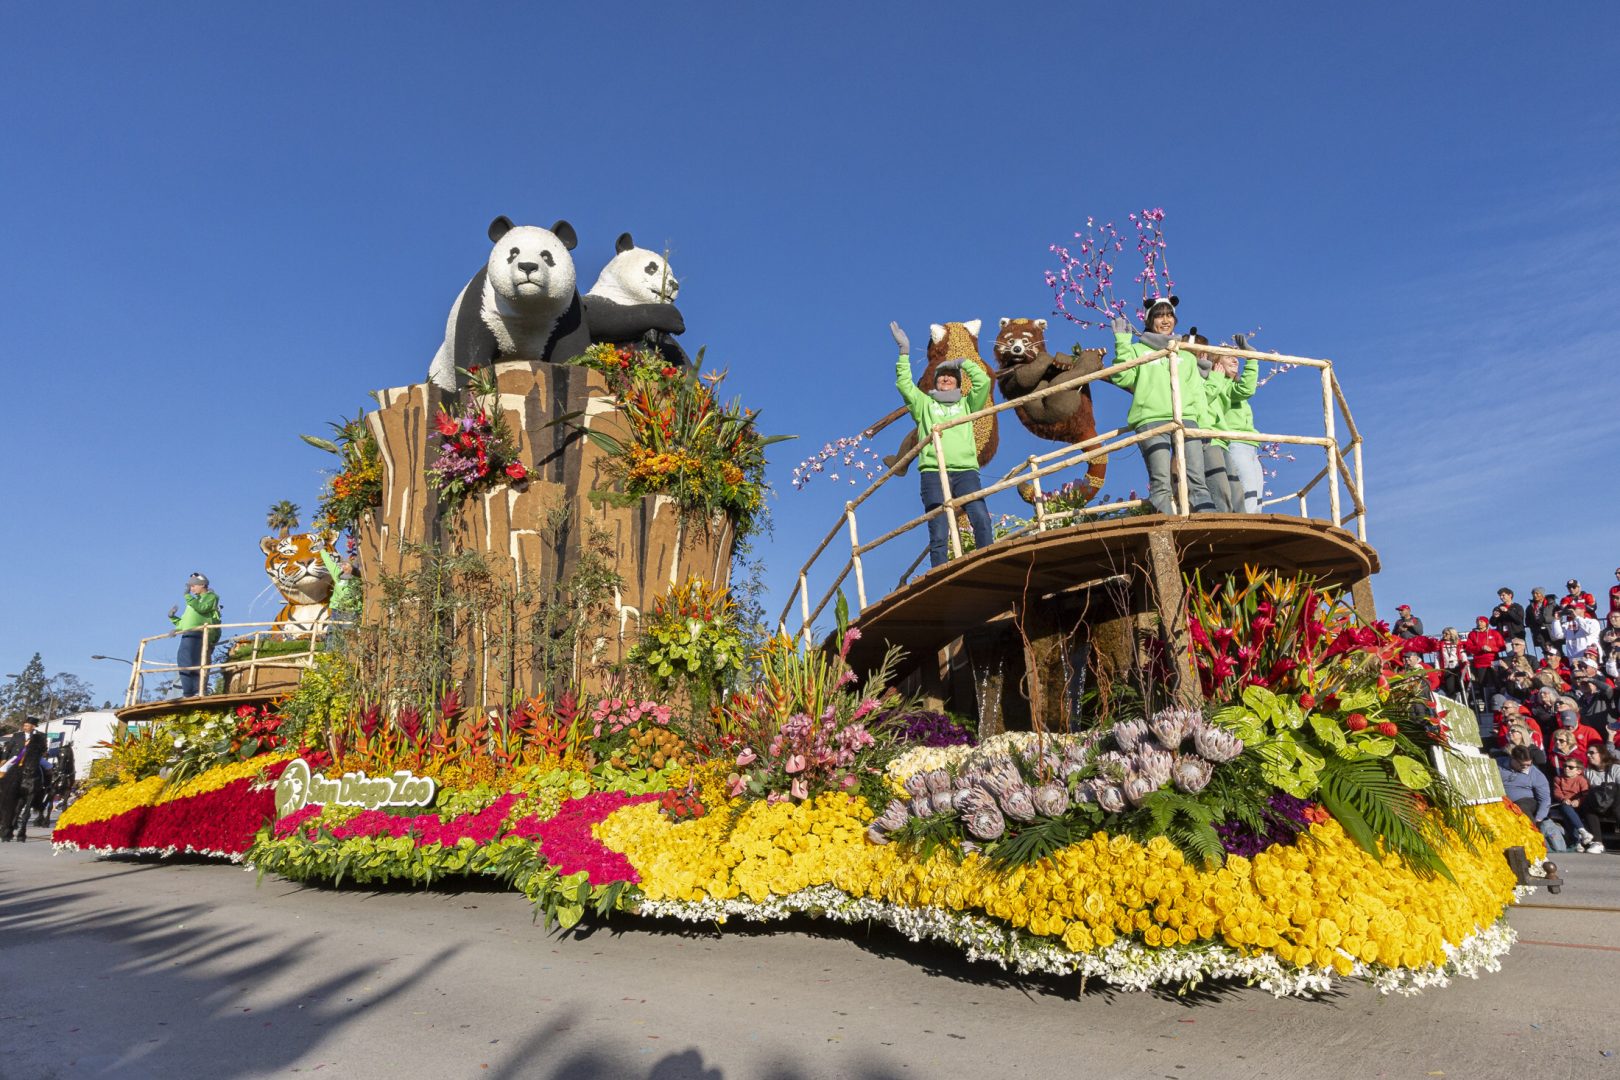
(1576, 598)
(1614, 594)
(1483, 644)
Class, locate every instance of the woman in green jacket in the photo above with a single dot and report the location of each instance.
(1149, 385)
(1233, 382)
(930, 408)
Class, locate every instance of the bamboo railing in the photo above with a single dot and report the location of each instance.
(251, 667)
(1031, 470)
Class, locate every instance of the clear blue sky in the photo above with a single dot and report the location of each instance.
(224, 224)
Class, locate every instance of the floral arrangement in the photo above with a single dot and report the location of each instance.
(691, 639)
(475, 447)
(926, 729)
(216, 813)
(357, 488)
(680, 440)
(1085, 282)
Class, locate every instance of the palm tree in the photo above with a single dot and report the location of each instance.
(283, 517)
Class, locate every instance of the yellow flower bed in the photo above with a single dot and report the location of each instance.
(1322, 902)
(109, 802)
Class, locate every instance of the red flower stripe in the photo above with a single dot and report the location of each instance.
(567, 843)
(220, 822)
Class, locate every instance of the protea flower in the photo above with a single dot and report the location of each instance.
(1154, 765)
(986, 824)
(922, 805)
(1191, 774)
(1110, 798)
(1051, 799)
(876, 835)
(1170, 726)
(894, 815)
(1138, 788)
(938, 781)
(1018, 803)
(917, 784)
(1129, 733)
(1216, 745)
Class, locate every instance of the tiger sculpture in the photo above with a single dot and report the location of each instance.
(950, 341)
(293, 564)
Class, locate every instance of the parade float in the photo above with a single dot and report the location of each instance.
(1150, 751)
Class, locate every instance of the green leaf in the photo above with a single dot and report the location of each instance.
(604, 442)
(1411, 772)
(1376, 745)
(322, 444)
(568, 915)
(1328, 730)
(1262, 701)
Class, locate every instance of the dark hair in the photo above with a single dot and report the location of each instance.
(1522, 753)
(1504, 589)
(1607, 756)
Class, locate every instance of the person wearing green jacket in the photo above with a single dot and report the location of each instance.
(1149, 385)
(1234, 381)
(345, 602)
(930, 408)
(197, 638)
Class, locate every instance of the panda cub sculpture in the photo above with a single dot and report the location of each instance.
(633, 301)
(523, 305)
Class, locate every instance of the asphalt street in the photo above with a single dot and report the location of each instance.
(139, 968)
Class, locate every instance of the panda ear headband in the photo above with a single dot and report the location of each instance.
(562, 230)
(1149, 304)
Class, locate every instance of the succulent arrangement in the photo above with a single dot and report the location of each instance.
(1061, 789)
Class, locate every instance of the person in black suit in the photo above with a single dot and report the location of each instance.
(21, 781)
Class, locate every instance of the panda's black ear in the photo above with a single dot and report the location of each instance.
(565, 233)
(499, 228)
(625, 243)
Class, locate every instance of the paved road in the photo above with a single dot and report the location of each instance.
(125, 968)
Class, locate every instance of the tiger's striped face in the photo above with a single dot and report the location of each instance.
(293, 564)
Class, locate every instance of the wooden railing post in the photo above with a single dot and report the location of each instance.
(855, 557)
(1330, 431)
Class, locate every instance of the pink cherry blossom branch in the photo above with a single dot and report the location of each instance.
(848, 452)
(1084, 282)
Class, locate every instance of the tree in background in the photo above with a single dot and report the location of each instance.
(283, 517)
(31, 692)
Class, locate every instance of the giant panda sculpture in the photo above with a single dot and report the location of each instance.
(633, 301)
(523, 305)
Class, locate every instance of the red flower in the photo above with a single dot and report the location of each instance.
(445, 423)
(1356, 722)
(1387, 728)
(516, 470)
(1307, 701)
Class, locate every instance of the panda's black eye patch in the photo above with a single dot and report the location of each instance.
(545, 256)
(652, 268)
(511, 256)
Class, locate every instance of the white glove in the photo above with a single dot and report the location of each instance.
(1121, 325)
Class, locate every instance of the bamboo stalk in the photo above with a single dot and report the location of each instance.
(1328, 430)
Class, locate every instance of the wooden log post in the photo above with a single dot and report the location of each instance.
(533, 533)
(1169, 600)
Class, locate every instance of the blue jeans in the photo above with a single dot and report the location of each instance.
(963, 482)
(189, 657)
(1157, 453)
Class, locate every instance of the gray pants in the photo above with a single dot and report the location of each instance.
(1218, 478)
(1157, 453)
(1248, 478)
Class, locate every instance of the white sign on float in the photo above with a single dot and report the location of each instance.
(1468, 768)
(298, 787)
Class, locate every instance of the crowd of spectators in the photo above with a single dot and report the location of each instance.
(1542, 677)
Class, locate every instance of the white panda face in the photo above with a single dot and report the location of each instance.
(530, 265)
(637, 276)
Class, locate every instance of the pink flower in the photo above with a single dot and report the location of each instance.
(801, 789)
(735, 786)
(747, 757)
(795, 764)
